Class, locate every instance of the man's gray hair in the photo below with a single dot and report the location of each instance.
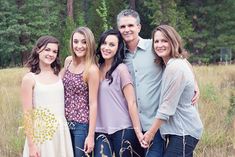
(128, 12)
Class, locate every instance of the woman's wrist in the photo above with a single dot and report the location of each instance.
(137, 131)
(151, 134)
(91, 135)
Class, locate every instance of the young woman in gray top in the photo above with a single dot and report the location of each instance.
(178, 118)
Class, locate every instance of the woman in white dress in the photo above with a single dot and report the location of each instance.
(42, 92)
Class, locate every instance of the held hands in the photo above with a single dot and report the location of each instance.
(89, 144)
(139, 135)
(147, 139)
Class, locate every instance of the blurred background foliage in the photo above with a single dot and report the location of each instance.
(207, 26)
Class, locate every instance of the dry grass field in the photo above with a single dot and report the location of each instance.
(216, 107)
(217, 110)
(11, 136)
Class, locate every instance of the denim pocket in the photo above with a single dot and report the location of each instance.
(78, 127)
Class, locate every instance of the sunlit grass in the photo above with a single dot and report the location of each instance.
(217, 91)
(217, 86)
(11, 139)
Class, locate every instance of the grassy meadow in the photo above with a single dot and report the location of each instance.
(216, 107)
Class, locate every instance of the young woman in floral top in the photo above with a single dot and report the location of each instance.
(81, 81)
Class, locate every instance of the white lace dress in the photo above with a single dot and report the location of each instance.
(50, 131)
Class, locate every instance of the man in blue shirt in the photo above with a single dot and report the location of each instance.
(146, 75)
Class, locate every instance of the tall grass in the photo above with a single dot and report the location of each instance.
(217, 88)
(11, 139)
(216, 107)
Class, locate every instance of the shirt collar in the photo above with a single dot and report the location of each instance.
(141, 44)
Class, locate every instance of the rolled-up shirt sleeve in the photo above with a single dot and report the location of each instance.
(173, 84)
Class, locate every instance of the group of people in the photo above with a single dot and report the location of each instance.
(129, 96)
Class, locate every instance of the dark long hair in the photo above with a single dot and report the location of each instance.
(118, 57)
(33, 60)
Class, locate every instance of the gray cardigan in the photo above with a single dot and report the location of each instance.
(175, 107)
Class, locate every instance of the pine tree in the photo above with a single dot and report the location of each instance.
(213, 23)
(168, 12)
(12, 31)
(103, 13)
(22, 23)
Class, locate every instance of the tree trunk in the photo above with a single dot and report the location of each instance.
(132, 4)
(70, 8)
(85, 10)
(23, 39)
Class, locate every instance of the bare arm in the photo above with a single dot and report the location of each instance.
(129, 94)
(149, 135)
(93, 84)
(27, 86)
(66, 63)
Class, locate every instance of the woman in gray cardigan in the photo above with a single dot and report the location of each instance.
(177, 118)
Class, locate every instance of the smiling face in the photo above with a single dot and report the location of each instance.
(162, 46)
(109, 47)
(129, 28)
(48, 54)
(79, 44)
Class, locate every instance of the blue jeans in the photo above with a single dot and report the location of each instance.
(179, 146)
(123, 143)
(78, 133)
(157, 146)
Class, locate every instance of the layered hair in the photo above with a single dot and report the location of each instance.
(41, 44)
(175, 41)
(118, 57)
(128, 12)
(90, 49)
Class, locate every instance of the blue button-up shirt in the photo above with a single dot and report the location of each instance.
(147, 76)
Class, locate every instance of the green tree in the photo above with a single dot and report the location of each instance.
(144, 12)
(12, 31)
(103, 13)
(95, 22)
(65, 41)
(169, 12)
(114, 7)
(22, 22)
(213, 23)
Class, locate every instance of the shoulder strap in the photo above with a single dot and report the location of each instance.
(69, 64)
(33, 76)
